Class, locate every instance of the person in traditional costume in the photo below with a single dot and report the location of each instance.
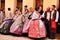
(27, 17)
(35, 27)
(5, 26)
(26, 9)
(51, 17)
(16, 27)
(53, 21)
(16, 14)
(1, 16)
(16, 21)
(46, 16)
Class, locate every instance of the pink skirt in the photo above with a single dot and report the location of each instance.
(17, 30)
(36, 29)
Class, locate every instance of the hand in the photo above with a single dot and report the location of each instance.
(58, 23)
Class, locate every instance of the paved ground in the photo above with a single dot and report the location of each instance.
(57, 36)
(10, 37)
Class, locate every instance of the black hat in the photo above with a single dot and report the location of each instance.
(54, 6)
(9, 9)
(25, 6)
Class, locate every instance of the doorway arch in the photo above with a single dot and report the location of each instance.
(39, 3)
(2, 4)
(19, 4)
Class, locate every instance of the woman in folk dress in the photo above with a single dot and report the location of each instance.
(35, 27)
(16, 27)
(27, 18)
(1, 16)
(5, 26)
(16, 14)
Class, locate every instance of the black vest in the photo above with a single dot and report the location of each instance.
(54, 15)
(45, 15)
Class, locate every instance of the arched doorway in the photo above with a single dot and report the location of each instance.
(39, 3)
(2, 4)
(19, 4)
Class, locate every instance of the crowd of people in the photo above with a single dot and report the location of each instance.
(37, 24)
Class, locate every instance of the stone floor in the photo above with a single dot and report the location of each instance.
(10, 37)
(57, 36)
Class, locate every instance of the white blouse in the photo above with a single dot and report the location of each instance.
(9, 16)
(35, 15)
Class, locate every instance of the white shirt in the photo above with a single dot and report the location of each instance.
(35, 15)
(57, 16)
(48, 15)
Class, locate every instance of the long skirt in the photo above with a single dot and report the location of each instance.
(17, 30)
(16, 27)
(25, 26)
(36, 29)
(5, 27)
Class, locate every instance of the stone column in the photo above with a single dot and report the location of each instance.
(10, 4)
(0, 4)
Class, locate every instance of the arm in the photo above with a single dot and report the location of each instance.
(42, 15)
(57, 16)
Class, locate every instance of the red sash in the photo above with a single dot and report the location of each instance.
(53, 25)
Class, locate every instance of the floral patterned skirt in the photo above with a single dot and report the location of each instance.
(17, 30)
(5, 27)
(37, 29)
